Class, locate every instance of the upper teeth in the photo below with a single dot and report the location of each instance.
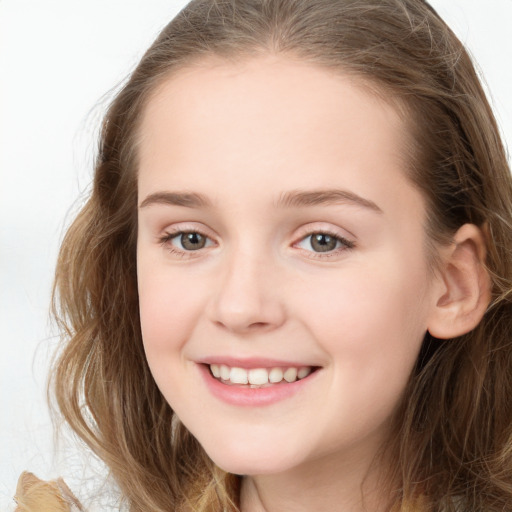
(258, 376)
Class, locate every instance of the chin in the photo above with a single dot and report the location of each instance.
(252, 467)
(252, 459)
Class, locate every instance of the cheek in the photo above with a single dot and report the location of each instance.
(373, 318)
(169, 311)
(169, 308)
(371, 325)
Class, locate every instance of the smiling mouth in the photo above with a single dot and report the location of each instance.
(259, 377)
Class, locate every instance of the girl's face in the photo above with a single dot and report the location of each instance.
(279, 238)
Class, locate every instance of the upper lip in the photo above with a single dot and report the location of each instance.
(252, 362)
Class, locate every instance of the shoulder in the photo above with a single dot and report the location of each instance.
(35, 495)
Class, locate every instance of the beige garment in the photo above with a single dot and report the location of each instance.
(35, 495)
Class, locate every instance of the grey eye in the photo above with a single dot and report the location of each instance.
(322, 242)
(191, 241)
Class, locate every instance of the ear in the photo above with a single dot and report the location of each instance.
(464, 290)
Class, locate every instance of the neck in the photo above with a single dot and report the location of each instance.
(324, 485)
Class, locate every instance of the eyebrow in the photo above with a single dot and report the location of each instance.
(291, 199)
(298, 198)
(187, 199)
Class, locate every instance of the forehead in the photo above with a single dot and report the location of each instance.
(301, 124)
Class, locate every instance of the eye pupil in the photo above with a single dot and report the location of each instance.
(321, 242)
(193, 241)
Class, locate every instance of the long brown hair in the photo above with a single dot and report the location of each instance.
(452, 441)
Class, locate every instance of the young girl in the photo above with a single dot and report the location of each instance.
(290, 288)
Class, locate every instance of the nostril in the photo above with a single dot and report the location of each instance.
(258, 325)
(239, 327)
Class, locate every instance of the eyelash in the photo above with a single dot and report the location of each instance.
(166, 240)
(346, 244)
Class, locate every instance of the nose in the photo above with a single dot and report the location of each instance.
(247, 298)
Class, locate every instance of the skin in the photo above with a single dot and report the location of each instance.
(243, 135)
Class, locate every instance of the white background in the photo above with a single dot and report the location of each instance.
(58, 59)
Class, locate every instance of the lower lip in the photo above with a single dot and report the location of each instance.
(253, 397)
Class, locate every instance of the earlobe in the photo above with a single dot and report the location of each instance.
(465, 285)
